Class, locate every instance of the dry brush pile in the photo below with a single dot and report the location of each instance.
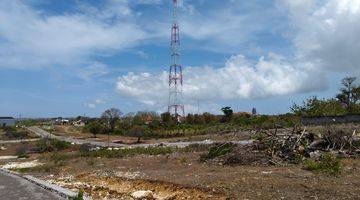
(286, 146)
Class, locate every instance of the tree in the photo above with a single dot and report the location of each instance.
(314, 107)
(349, 93)
(111, 116)
(168, 120)
(137, 131)
(228, 112)
(95, 128)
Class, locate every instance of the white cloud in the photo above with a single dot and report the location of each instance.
(30, 39)
(90, 105)
(93, 70)
(238, 79)
(326, 32)
(94, 104)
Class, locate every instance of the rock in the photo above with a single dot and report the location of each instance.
(315, 155)
(143, 195)
(3, 148)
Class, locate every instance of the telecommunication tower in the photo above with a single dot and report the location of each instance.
(176, 106)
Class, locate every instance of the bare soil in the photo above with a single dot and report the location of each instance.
(182, 174)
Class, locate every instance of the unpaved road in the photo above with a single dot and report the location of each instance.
(44, 134)
(13, 187)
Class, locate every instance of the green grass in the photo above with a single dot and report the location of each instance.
(50, 145)
(328, 163)
(127, 152)
(80, 196)
(61, 157)
(217, 151)
(196, 148)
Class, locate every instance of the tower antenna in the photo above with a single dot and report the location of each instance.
(176, 106)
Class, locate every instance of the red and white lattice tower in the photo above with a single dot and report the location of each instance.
(176, 106)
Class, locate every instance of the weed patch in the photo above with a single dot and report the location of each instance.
(79, 196)
(328, 163)
(197, 148)
(217, 151)
(50, 145)
(106, 153)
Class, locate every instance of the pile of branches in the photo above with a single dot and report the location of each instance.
(285, 146)
(294, 146)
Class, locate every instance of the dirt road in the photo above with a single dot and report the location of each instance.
(44, 134)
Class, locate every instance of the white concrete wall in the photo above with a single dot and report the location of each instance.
(7, 122)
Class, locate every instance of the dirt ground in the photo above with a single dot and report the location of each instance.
(11, 148)
(182, 176)
(19, 133)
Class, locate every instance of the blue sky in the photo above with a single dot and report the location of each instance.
(72, 57)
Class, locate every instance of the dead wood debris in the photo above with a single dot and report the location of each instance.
(286, 146)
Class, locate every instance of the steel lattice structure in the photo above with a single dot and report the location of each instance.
(176, 106)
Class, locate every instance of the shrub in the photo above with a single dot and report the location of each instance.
(49, 145)
(259, 136)
(79, 196)
(86, 147)
(197, 148)
(127, 152)
(217, 151)
(60, 157)
(328, 163)
(21, 152)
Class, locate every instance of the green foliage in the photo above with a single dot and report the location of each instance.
(60, 157)
(80, 196)
(50, 145)
(314, 107)
(218, 150)
(28, 122)
(328, 163)
(259, 136)
(228, 112)
(138, 131)
(111, 116)
(21, 152)
(95, 127)
(106, 153)
(346, 102)
(13, 133)
(168, 120)
(197, 148)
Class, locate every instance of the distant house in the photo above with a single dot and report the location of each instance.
(61, 121)
(79, 123)
(7, 121)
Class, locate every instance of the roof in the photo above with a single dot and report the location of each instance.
(6, 118)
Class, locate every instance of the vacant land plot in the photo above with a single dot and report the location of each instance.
(199, 171)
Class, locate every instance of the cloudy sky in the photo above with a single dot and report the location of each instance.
(75, 57)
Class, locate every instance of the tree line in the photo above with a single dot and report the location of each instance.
(347, 101)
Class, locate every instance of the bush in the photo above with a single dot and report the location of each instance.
(328, 163)
(217, 151)
(49, 145)
(60, 157)
(127, 152)
(21, 152)
(197, 148)
(86, 147)
(80, 196)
